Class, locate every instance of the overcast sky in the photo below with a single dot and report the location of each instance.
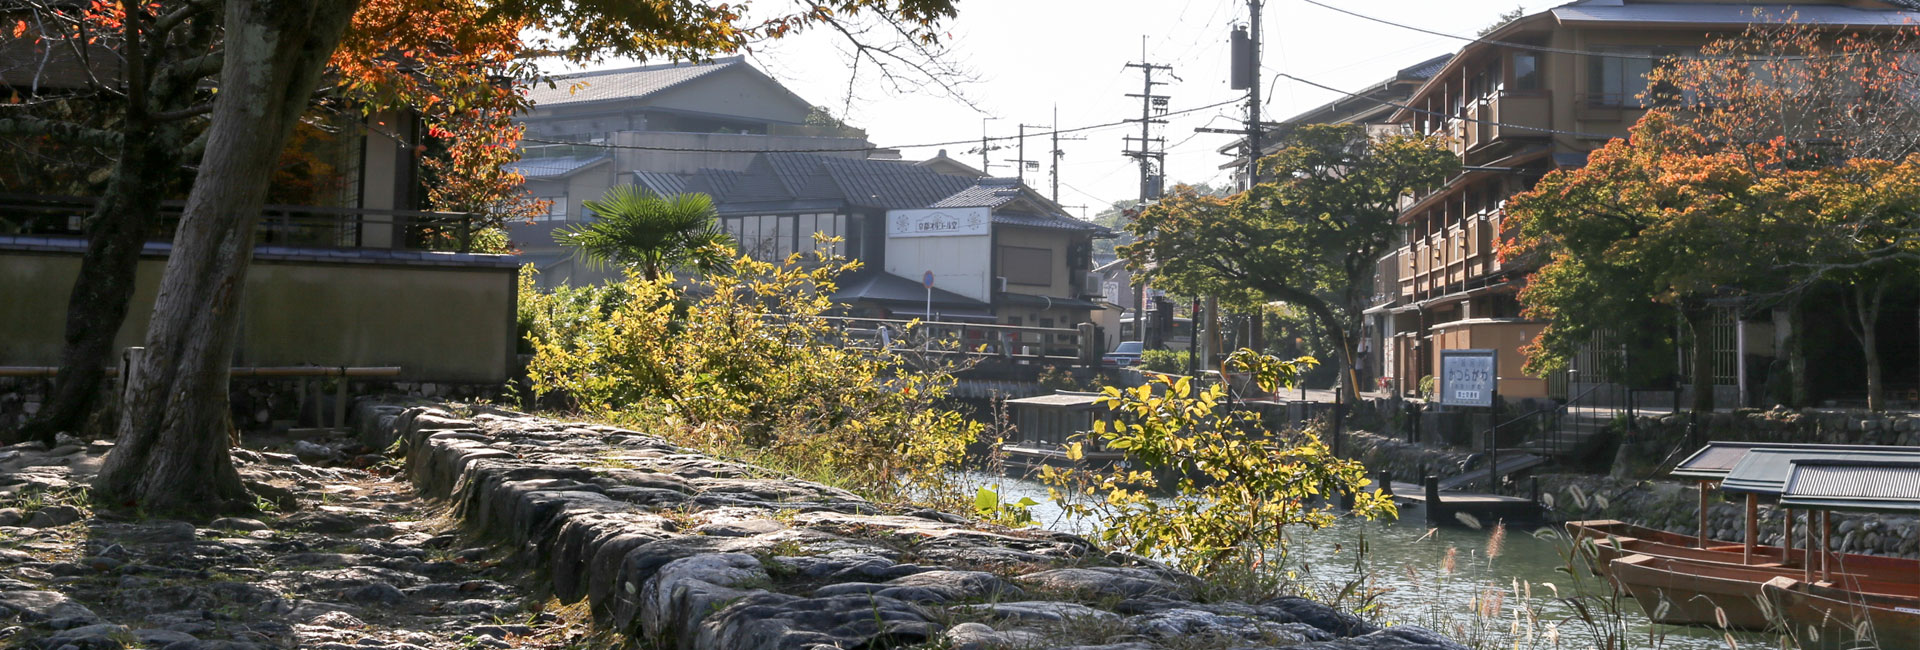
(1029, 55)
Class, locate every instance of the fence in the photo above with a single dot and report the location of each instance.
(1012, 343)
(280, 225)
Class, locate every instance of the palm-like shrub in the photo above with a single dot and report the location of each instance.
(650, 233)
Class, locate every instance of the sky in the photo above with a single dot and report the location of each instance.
(1025, 57)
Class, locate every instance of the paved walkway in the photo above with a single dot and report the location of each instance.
(355, 562)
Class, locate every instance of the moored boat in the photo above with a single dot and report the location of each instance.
(1677, 592)
(1615, 539)
(1819, 615)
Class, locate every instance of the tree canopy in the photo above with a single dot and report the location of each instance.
(1311, 238)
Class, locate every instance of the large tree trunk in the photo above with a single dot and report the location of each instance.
(1699, 322)
(145, 167)
(1800, 395)
(1867, 298)
(117, 229)
(172, 452)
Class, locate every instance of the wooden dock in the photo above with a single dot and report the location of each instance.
(1443, 508)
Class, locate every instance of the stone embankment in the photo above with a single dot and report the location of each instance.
(423, 530)
(682, 550)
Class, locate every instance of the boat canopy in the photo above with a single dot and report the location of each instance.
(1714, 461)
(1880, 486)
(1069, 400)
(1766, 470)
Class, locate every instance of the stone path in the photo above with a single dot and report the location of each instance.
(358, 562)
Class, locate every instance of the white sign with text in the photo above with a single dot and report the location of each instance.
(1467, 377)
(939, 222)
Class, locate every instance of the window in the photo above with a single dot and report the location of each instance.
(1026, 266)
(773, 237)
(556, 210)
(1621, 81)
(1526, 71)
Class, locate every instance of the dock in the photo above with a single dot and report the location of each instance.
(1441, 502)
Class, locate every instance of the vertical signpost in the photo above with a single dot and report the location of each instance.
(927, 280)
(1469, 378)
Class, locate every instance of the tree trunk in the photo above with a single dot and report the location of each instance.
(117, 229)
(1868, 296)
(145, 167)
(1800, 395)
(172, 451)
(1700, 325)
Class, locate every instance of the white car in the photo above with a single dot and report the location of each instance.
(1123, 355)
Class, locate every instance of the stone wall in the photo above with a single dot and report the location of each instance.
(682, 550)
(1656, 442)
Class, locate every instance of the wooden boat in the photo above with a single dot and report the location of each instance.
(1615, 539)
(1682, 592)
(1821, 615)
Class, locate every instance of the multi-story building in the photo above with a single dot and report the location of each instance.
(1538, 94)
(997, 251)
(590, 131)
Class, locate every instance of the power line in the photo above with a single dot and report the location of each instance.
(1553, 50)
(1542, 129)
(1077, 129)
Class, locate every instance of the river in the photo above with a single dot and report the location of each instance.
(1407, 562)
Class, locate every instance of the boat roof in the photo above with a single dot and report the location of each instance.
(1874, 486)
(1766, 470)
(1713, 461)
(1062, 399)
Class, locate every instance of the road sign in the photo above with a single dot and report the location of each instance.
(1467, 377)
(927, 280)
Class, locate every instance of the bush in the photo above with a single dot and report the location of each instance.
(1237, 486)
(742, 364)
(1173, 362)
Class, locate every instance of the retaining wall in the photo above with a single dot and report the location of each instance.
(687, 551)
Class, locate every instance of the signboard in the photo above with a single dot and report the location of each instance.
(939, 222)
(927, 280)
(1467, 377)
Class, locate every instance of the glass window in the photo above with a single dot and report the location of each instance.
(557, 211)
(1526, 71)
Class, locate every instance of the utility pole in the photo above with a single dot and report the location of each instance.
(986, 167)
(1245, 73)
(1020, 162)
(1057, 152)
(1151, 160)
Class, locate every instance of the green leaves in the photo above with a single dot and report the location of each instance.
(1312, 237)
(653, 234)
(1235, 485)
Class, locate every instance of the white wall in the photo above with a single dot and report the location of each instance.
(960, 257)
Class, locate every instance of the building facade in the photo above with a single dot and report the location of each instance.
(1536, 95)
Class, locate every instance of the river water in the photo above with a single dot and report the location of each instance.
(1407, 563)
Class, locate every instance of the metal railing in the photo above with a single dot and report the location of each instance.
(280, 225)
(1014, 343)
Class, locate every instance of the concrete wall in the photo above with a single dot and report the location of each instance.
(438, 323)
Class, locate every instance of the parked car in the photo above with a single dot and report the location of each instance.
(1123, 355)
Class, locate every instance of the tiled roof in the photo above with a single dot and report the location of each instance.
(1425, 69)
(537, 168)
(1730, 14)
(808, 181)
(988, 193)
(625, 83)
(661, 183)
